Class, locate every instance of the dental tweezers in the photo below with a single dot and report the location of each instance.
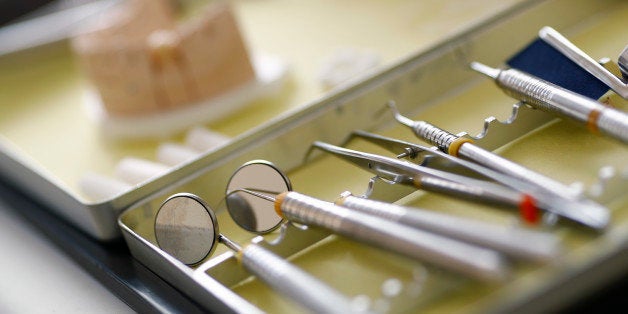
(432, 180)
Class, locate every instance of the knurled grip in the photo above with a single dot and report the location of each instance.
(292, 282)
(471, 260)
(311, 211)
(564, 103)
(528, 89)
(614, 123)
(434, 135)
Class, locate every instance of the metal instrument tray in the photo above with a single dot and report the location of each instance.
(436, 86)
(47, 142)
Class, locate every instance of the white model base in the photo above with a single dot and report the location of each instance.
(270, 73)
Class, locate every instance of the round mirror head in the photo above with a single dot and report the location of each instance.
(186, 228)
(252, 212)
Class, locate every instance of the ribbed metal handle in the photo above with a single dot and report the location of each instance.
(292, 282)
(471, 260)
(564, 103)
(614, 123)
(528, 89)
(434, 135)
(514, 241)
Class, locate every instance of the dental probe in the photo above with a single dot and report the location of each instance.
(549, 193)
(556, 100)
(514, 241)
(474, 261)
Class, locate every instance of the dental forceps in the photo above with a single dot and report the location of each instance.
(433, 180)
(550, 194)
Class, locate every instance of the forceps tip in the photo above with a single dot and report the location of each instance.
(547, 31)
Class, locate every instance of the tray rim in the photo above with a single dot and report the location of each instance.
(549, 297)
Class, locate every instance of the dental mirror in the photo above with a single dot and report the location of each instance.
(250, 212)
(187, 229)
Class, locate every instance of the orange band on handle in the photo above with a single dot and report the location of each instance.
(417, 182)
(340, 201)
(238, 254)
(278, 200)
(592, 121)
(455, 145)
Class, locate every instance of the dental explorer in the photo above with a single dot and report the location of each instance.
(549, 193)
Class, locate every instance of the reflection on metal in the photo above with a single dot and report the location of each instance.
(187, 228)
(245, 208)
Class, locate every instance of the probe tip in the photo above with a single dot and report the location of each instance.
(484, 69)
(398, 116)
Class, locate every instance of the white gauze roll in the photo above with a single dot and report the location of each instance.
(202, 139)
(174, 154)
(135, 170)
(97, 187)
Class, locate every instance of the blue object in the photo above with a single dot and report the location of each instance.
(543, 61)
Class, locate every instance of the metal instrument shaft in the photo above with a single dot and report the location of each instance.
(514, 241)
(471, 260)
(474, 261)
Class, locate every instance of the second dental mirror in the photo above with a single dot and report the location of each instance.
(250, 212)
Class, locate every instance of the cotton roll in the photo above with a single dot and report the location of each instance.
(202, 139)
(134, 170)
(97, 187)
(174, 154)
